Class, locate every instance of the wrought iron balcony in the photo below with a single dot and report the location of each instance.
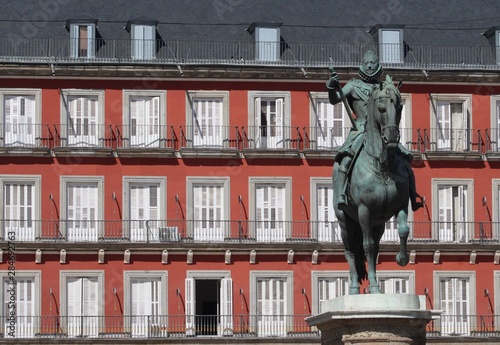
(238, 231)
(227, 326)
(245, 53)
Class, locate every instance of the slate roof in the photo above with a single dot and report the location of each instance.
(425, 21)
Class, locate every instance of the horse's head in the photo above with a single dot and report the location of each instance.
(385, 109)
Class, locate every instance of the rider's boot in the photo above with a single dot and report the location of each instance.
(342, 183)
(415, 204)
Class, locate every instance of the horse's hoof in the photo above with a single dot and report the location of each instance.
(402, 259)
(374, 289)
(354, 290)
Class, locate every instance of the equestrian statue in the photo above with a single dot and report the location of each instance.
(372, 175)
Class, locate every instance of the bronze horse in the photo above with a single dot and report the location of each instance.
(378, 190)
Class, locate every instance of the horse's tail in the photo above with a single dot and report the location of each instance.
(360, 263)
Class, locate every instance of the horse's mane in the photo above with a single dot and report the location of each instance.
(387, 84)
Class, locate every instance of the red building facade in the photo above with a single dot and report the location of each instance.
(149, 197)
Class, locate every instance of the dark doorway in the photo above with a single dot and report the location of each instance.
(207, 306)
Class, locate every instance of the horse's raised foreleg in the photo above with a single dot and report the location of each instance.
(402, 257)
(370, 245)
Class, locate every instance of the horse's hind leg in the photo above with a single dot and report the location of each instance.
(402, 257)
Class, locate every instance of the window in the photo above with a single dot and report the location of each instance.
(83, 207)
(20, 213)
(143, 36)
(494, 233)
(267, 41)
(269, 120)
(82, 302)
(493, 36)
(270, 208)
(325, 225)
(405, 125)
(451, 119)
(209, 208)
(455, 295)
(391, 45)
(207, 118)
(146, 302)
(329, 123)
(146, 209)
(82, 40)
(396, 282)
(20, 117)
(272, 302)
(495, 124)
(453, 209)
(496, 292)
(27, 303)
(209, 303)
(328, 285)
(144, 117)
(82, 118)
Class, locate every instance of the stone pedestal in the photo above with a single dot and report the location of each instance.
(398, 319)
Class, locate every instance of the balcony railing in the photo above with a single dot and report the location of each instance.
(271, 231)
(152, 136)
(272, 137)
(236, 326)
(140, 138)
(202, 136)
(84, 135)
(301, 54)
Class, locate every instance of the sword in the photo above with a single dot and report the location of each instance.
(344, 100)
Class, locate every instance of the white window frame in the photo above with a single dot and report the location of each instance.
(193, 95)
(409, 276)
(74, 35)
(68, 180)
(36, 275)
(469, 216)
(495, 122)
(223, 232)
(254, 128)
(128, 181)
(22, 92)
(77, 274)
(405, 125)
(334, 228)
(315, 277)
(252, 184)
(495, 196)
(36, 181)
(65, 94)
(288, 277)
(463, 142)
(147, 49)
(326, 138)
(267, 50)
(471, 276)
(496, 287)
(162, 114)
(393, 54)
(161, 320)
(226, 321)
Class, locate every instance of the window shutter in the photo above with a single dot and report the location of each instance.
(190, 306)
(445, 213)
(90, 292)
(226, 312)
(443, 125)
(74, 39)
(74, 297)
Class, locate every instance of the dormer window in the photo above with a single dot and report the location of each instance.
(493, 36)
(267, 41)
(82, 38)
(390, 41)
(143, 39)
